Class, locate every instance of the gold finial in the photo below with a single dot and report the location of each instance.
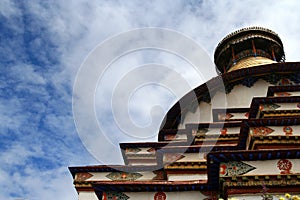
(246, 44)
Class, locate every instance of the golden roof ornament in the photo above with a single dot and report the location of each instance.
(248, 47)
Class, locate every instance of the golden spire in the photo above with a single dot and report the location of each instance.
(248, 47)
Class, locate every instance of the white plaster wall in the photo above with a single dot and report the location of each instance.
(240, 97)
(87, 196)
(191, 195)
(202, 114)
(187, 177)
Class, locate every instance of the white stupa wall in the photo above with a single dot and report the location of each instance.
(240, 97)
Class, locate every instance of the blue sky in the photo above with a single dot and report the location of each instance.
(42, 45)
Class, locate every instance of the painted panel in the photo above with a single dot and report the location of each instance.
(235, 168)
(266, 167)
(275, 130)
(102, 176)
(123, 176)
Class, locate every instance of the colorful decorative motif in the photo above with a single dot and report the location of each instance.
(288, 130)
(160, 196)
(83, 176)
(132, 150)
(114, 196)
(262, 130)
(282, 94)
(223, 131)
(235, 168)
(225, 116)
(173, 157)
(269, 106)
(285, 166)
(123, 176)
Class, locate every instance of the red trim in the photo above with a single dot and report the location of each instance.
(233, 56)
(254, 49)
(273, 54)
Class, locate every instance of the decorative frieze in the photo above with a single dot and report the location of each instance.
(263, 180)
